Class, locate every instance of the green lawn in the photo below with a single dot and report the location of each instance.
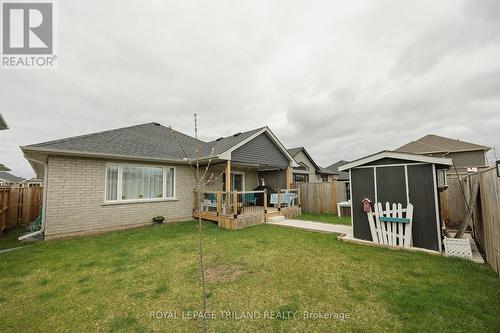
(8, 239)
(112, 283)
(327, 218)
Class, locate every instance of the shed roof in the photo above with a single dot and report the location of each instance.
(396, 155)
(439, 144)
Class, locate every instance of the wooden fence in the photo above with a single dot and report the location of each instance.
(19, 206)
(321, 197)
(487, 223)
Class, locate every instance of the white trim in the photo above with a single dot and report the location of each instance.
(396, 155)
(375, 183)
(407, 186)
(352, 204)
(388, 165)
(438, 220)
(119, 189)
(226, 155)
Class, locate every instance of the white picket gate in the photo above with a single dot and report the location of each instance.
(391, 226)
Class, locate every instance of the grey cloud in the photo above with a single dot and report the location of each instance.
(339, 78)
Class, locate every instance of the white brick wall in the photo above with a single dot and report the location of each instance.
(75, 200)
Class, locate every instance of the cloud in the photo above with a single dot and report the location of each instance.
(341, 79)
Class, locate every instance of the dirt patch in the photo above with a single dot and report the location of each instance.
(223, 273)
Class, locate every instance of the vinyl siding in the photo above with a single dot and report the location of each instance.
(261, 150)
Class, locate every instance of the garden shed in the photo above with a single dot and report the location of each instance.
(403, 178)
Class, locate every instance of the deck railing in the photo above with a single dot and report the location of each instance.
(244, 202)
(231, 203)
(286, 198)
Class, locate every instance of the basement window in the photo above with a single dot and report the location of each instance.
(130, 183)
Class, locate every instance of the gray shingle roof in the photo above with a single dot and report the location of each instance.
(150, 140)
(7, 177)
(146, 140)
(438, 144)
(342, 175)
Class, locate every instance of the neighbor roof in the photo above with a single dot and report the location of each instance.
(396, 155)
(4, 168)
(7, 177)
(294, 151)
(438, 144)
(150, 141)
(3, 123)
(342, 175)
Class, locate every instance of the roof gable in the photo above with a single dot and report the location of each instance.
(295, 151)
(260, 150)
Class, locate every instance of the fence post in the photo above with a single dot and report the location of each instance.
(334, 197)
(298, 195)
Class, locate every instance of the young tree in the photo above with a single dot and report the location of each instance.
(203, 177)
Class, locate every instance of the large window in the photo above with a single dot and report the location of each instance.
(135, 182)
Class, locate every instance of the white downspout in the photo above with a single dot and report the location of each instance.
(44, 198)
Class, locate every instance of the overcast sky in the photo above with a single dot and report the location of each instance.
(341, 78)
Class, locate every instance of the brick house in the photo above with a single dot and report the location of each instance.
(122, 178)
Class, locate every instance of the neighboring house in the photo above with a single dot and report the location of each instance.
(6, 179)
(122, 178)
(32, 182)
(307, 171)
(465, 155)
(4, 168)
(3, 123)
(344, 186)
(3, 126)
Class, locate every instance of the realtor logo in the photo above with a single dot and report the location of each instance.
(28, 34)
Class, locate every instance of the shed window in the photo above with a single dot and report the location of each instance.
(134, 182)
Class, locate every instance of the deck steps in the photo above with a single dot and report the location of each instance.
(278, 218)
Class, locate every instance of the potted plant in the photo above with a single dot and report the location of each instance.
(158, 219)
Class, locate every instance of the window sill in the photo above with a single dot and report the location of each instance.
(126, 202)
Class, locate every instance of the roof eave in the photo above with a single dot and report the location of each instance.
(76, 153)
(397, 155)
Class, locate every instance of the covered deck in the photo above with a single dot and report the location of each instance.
(240, 209)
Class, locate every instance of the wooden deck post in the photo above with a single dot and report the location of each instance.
(228, 176)
(219, 203)
(235, 204)
(288, 177)
(279, 199)
(265, 201)
(228, 186)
